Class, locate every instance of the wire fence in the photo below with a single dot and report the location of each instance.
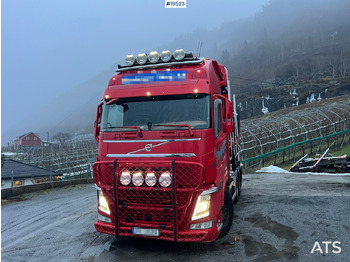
(72, 160)
(278, 139)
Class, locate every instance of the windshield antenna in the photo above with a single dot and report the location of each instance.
(199, 49)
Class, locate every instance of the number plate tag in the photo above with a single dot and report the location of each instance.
(153, 232)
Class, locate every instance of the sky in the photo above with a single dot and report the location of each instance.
(48, 47)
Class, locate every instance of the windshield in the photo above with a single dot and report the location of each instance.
(157, 113)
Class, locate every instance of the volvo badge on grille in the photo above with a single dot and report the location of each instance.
(148, 147)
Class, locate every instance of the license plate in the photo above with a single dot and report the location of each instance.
(152, 232)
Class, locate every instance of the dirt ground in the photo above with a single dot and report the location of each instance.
(279, 217)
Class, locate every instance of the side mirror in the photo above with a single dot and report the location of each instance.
(97, 126)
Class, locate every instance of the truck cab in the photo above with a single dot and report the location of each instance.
(168, 164)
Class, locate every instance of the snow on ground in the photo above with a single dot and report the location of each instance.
(10, 154)
(271, 169)
(276, 169)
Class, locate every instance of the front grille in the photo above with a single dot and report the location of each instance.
(145, 205)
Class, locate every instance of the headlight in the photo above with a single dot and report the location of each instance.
(165, 56)
(137, 179)
(130, 60)
(202, 207)
(153, 57)
(125, 178)
(151, 179)
(102, 203)
(165, 179)
(141, 59)
(179, 54)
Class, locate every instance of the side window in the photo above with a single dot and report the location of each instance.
(217, 117)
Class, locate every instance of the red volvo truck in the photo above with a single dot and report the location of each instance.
(168, 163)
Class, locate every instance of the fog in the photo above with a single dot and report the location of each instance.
(50, 48)
(57, 56)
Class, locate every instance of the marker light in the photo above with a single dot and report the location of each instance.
(165, 56)
(141, 59)
(129, 60)
(102, 203)
(202, 207)
(165, 179)
(204, 225)
(125, 178)
(151, 179)
(179, 54)
(153, 57)
(137, 179)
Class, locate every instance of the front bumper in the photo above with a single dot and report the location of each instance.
(203, 235)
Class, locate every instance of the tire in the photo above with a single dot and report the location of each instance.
(240, 180)
(238, 189)
(227, 214)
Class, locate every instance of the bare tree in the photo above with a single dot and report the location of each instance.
(333, 67)
(344, 66)
(62, 138)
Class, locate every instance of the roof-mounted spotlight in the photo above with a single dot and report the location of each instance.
(179, 54)
(141, 59)
(130, 60)
(153, 57)
(165, 56)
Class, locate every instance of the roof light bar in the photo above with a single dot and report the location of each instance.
(154, 57)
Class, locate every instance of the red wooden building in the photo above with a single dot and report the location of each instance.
(28, 139)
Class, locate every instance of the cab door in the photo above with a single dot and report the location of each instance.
(220, 141)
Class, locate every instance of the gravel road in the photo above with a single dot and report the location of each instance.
(279, 217)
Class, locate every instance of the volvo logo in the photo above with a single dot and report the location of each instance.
(148, 147)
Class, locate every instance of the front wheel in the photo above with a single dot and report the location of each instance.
(227, 214)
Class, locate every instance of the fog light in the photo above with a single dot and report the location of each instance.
(204, 225)
(137, 179)
(125, 178)
(151, 179)
(165, 179)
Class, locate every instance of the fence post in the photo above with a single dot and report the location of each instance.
(11, 178)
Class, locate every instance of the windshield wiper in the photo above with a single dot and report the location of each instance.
(180, 125)
(136, 127)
